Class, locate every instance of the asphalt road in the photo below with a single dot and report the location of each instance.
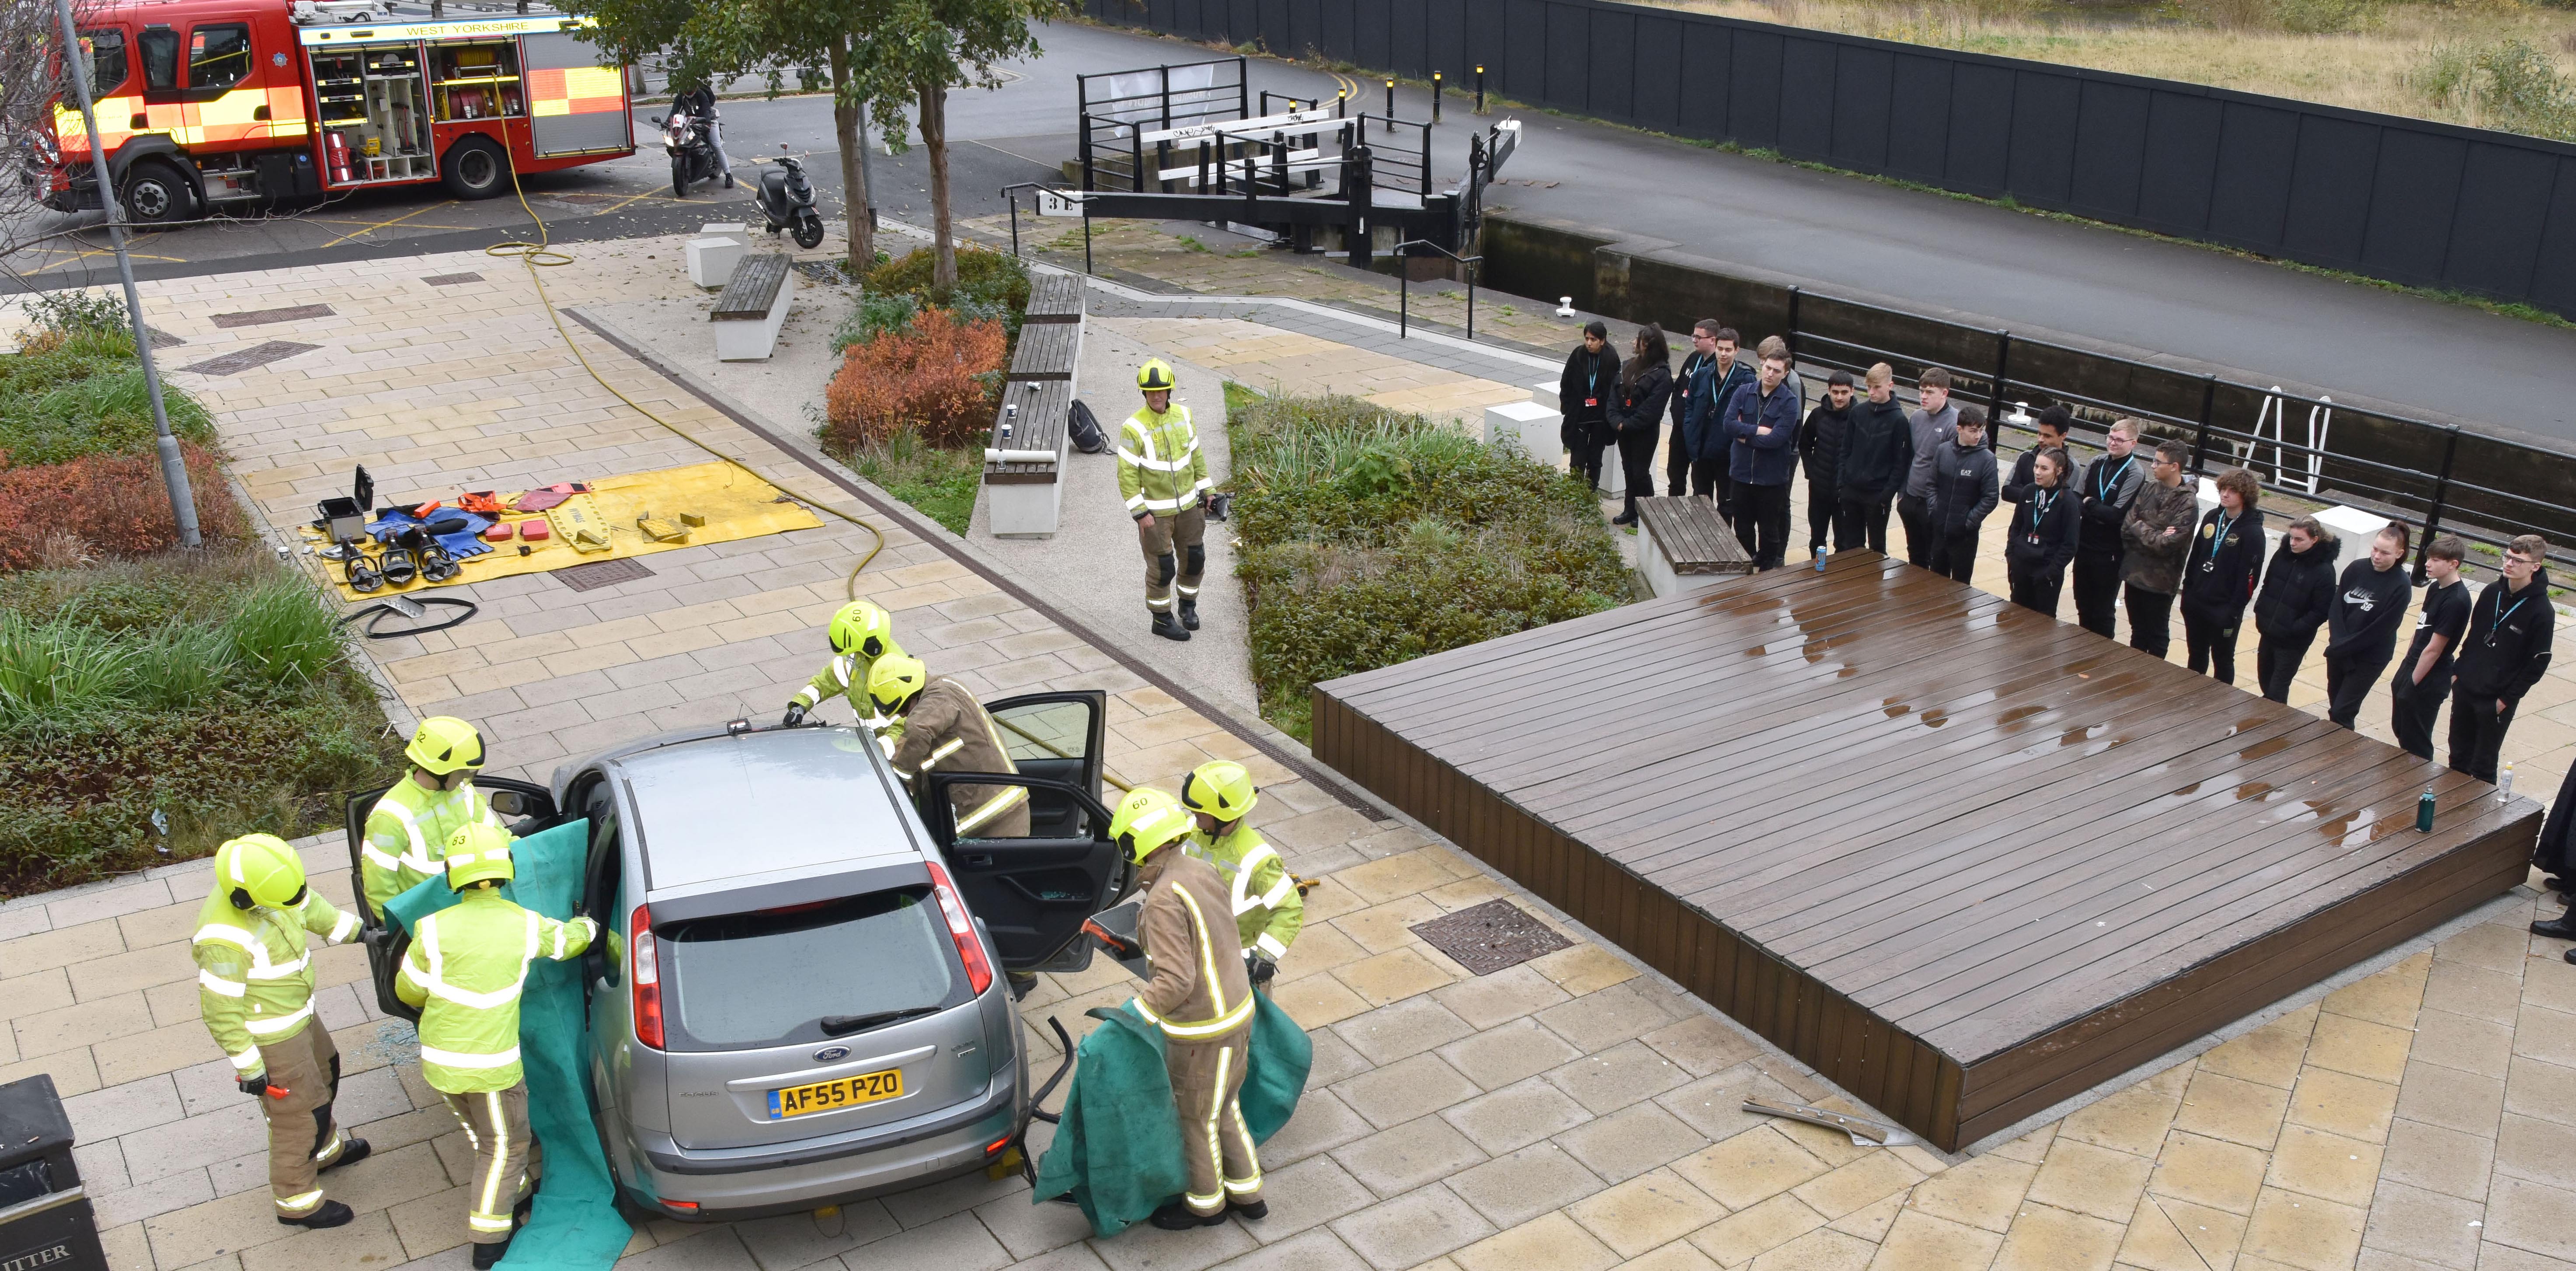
(1841, 234)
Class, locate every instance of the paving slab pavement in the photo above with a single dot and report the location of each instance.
(1567, 1111)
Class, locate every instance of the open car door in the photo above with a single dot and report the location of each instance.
(523, 806)
(1056, 737)
(1033, 892)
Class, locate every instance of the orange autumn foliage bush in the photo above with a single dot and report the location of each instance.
(112, 506)
(937, 377)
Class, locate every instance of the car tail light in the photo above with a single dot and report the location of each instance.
(647, 979)
(979, 973)
(684, 1206)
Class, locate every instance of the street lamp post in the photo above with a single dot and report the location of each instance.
(174, 470)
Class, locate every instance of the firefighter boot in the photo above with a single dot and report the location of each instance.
(1190, 612)
(1168, 629)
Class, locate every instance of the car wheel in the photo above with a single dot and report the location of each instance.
(155, 194)
(475, 169)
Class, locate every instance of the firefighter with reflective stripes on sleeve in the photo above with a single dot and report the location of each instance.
(1197, 994)
(944, 729)
(1268, 908)
(464, 972)
(860, 633)
(1164, 479)
(255, 992)
(410, 825)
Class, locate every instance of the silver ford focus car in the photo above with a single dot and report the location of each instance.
(804, 993)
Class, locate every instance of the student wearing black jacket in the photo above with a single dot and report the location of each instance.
(2218, 576)
(2361, 623)
(2047, 525)
(1963, 493)
(1582, 397)
(1878, 448)
(1645, 384)
(2504, 654)
(1677, 448)
(2053, 424)
(2107, 488)
(1820, 447)
(2296, 592)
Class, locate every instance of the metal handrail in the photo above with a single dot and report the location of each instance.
(1404, 286)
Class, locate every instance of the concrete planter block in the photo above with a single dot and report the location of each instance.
(713, 257)
(1528, 425)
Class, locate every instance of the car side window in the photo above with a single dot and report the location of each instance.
(1045, 730)
(160, 59)
(218, 55)
(107, 68)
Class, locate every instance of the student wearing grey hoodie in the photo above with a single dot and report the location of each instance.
(1933, 423)
(2158, 535)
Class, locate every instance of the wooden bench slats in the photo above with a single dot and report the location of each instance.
(1047, 351)
(1053, 298)
(1043, 405)
(753, 289)
(1693, 537)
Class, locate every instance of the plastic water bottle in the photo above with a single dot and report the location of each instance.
(2424, 812)
(2504, 783)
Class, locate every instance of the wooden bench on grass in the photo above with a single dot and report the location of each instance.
(1683, 545)
(753, 307)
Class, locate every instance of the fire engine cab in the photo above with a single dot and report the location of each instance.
(203, 103)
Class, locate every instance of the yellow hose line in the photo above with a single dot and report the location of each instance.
(542, 253)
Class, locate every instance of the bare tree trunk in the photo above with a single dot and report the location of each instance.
(854, 182)
(934, 137)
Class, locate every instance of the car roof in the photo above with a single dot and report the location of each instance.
(763, 807)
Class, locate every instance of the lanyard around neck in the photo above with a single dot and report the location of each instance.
(2102, 489)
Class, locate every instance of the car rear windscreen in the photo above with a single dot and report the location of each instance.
(773, 976)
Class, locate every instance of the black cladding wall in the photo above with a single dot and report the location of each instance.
(2410, 201)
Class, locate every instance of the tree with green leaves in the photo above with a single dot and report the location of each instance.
(886, 57)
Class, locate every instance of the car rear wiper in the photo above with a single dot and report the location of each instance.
(836, 1025)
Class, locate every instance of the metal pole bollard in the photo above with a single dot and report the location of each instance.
(1435, 96)
(1480, 90)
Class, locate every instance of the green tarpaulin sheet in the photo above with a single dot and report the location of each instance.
(1117, 1150)
(575, 1226)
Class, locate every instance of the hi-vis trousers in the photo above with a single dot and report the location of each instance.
(1215, 1143)
(496, 1124)
(1175, 551)
(302, 1137)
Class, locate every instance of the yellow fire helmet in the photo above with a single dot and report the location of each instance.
(260, 869)
(1146, 821)
(862, 628)
(894, 681)
(1221, 788)
(442, 744)
(1154, 376)
(478, 851)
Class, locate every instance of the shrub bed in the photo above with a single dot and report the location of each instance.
(1371, 537)
(207, 686)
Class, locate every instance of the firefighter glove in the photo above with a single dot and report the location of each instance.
(256, 1085)
(1258, 967)
(795, 715)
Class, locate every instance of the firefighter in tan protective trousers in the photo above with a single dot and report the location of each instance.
(1164, 480)
(1200, 997)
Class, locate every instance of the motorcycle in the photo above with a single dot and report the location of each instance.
(693, 155)
(787, 201)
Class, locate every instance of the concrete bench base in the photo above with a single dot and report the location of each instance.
(750, 339)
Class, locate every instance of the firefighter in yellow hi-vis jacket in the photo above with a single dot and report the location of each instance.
(255, 992)
(1164, 479)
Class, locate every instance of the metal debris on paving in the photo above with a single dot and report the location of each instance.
(1490, 937)
(451, 280)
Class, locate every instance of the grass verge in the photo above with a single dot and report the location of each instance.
(1371, 537)
(942, 483)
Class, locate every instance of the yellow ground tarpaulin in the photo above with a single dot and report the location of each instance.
(735, 503)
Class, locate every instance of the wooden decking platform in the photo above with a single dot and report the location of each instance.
(1964, 860)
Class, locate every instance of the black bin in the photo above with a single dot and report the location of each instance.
(45, 1218)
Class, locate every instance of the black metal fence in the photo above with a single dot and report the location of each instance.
(2407, 200)
(2434, 476)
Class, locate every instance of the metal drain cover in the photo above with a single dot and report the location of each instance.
(1489, 937)
(602, 573)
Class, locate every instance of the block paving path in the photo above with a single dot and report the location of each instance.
(1568, 1112)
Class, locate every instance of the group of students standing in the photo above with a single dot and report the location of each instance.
(2127, 528)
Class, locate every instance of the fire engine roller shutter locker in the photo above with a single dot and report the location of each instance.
(575, 105)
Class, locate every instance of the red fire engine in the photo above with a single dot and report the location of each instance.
(203, 103)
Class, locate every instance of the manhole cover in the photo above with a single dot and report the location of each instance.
(602, 573)
(451, 280)
(262, 317)
(1489, 937)
(164, 340)
(250, 358)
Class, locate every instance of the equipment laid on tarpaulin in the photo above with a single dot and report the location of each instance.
(1117, 1148)
(730, 502)
(575, 1224)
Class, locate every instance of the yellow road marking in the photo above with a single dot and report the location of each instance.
(371, 228)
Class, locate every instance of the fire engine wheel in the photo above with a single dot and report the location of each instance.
(154, 193)
(476, 169)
